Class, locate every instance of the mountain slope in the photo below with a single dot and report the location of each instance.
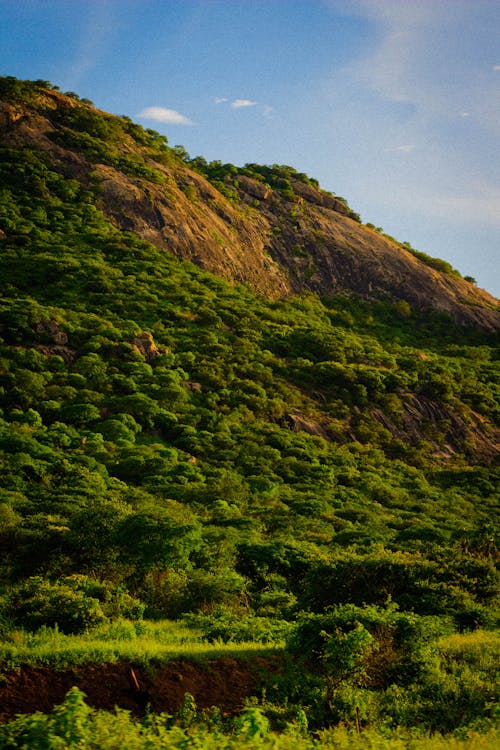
(172, 442)
(276, 231)
(262, 464)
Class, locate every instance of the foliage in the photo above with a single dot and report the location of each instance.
(437, 263)
(233, 627)
(260, 463)
(281, 178)
(74, 725)
(73, 604)
(39, 602)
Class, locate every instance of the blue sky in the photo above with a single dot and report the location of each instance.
(393, 104)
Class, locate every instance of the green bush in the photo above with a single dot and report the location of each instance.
(73, 604)
(38, 602)
(375, 645)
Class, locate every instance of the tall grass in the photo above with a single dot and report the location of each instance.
(140, 642)
(479, 649)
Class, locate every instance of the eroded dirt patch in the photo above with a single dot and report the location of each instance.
(224, 682)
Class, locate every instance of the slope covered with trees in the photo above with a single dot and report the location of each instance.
(173, 443)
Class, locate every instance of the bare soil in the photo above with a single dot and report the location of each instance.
(225, 682)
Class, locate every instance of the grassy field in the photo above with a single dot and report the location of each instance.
(123, 640)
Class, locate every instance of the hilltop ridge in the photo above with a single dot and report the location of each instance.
(272, 228)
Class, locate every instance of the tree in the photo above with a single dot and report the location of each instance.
(159, 536)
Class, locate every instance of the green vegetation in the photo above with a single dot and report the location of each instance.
(279, 177)
(315, 473)
(437, 263)
(136, 641)
(74, 725)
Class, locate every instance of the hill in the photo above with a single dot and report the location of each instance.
(270, 227)
(315, 449)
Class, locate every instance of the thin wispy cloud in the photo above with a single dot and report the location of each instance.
(97, 30)
(400, 30)
(419, 59)
(406, 148)
(242, 103)
(267, 110)
(164, 115)
(479, 206)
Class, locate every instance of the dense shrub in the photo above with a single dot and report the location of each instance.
(38, 602)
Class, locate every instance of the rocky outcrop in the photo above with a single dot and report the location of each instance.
(190, 219)
(145, 345)
(276, 245)
(447, 430)
(53, 331)
(300, 423)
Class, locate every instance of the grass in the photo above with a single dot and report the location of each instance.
(140, 642)
(373, 739)
(464, 657)
(478, 650)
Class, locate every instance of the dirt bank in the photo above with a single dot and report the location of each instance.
(224, 682)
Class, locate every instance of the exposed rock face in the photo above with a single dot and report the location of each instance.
(53, 331)
(298, 423)
(275, 245)
(200, 226)
(145, 345)
(446, 429)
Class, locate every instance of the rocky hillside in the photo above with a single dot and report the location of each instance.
(273, 229)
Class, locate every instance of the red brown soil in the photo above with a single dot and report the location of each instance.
(224, 682)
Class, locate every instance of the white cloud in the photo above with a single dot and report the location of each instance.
(242, 103)
(405, 149)
(390, 69)
(167, 116)
(496, 67)
(267, 110)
